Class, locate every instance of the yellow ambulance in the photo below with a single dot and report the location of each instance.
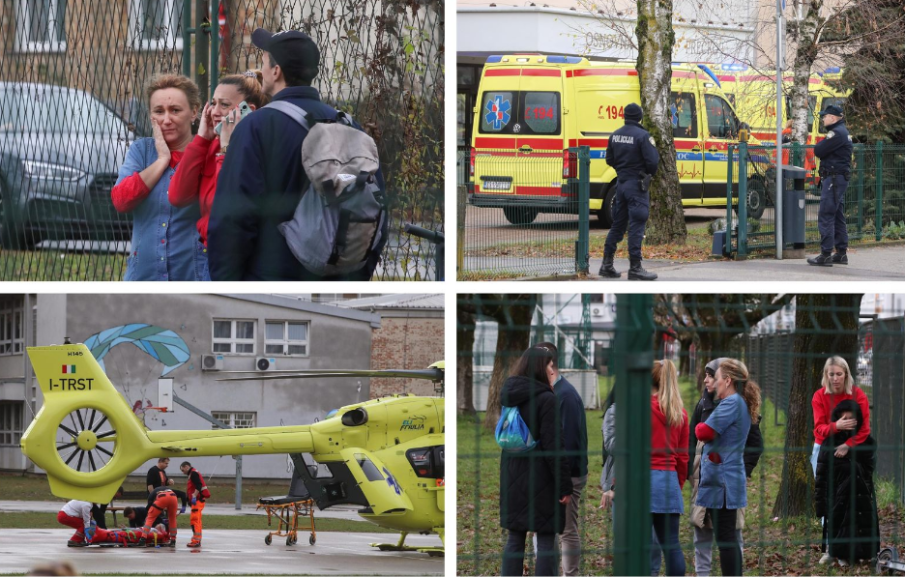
(533, 106)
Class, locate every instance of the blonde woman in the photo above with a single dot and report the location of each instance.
(837, 386)
(723, 488)
(668, 462)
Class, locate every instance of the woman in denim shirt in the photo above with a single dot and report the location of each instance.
(165, 243)
(723, 488)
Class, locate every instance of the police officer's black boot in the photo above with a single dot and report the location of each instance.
(823, 259)
(637, 272)
(840, 258)
(607, 270)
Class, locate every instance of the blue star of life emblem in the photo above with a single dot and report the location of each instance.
(497, 113)
(391, 481)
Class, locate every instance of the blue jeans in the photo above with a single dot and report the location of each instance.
(666, 527)
(514, 554)
(654, 546)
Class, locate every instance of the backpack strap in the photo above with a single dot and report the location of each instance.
(292, 111)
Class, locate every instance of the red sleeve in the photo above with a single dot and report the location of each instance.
(185, 185)
(864, 403)
(129, 193)
(823, 427)
(682, 462)
(704, 433)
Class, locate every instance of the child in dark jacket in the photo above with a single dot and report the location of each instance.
(845, 493)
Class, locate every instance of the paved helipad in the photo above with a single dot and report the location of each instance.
(224, 552)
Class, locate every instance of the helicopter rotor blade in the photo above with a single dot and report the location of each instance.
(426, 374)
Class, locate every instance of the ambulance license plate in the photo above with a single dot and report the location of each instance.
(497, 185)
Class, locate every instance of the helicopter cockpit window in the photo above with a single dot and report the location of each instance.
(370, 470)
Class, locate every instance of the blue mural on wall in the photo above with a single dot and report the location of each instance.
(162, 344)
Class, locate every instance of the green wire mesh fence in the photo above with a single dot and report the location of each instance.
(526, 213)
(874, 199)
(72, 76)
(784, 340)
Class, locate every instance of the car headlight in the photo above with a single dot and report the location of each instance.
(48, 171)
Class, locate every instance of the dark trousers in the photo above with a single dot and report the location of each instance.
(514, 554)
(666, 526)
(630, 211)
(831, 214)
(727, 540)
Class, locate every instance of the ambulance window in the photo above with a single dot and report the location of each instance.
(497, 111)
(541, 112)
(720, 118)
(684, 114)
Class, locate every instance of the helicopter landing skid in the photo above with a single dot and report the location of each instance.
(400, 546)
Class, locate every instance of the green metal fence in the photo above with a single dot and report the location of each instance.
(874, 200)
(784, 341)
(526, 214)
(72, 77)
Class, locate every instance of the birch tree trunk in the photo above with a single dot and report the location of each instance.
(656, 38)
(803, 36)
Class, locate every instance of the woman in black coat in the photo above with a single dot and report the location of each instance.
(535, 486)
(851, 528)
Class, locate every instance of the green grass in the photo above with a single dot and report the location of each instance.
(17, 487)
(254, 522)
(52, 265)
(774, 546)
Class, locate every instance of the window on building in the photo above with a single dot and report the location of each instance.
(11, 342)
(11, 422)
(234, 336)
(235, 420)
(286, 338)
(41, 25)
(156, 24)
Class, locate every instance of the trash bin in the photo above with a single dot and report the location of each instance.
(793, 204)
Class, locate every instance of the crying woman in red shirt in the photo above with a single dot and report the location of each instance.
(196, 178)
(837, 386)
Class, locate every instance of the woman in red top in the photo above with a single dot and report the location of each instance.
(838, 386)
(668, 462)
(196, 178)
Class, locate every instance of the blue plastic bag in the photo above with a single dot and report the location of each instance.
(512, 434)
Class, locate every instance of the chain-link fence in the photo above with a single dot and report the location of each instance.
(526, 214)
(72, 78)
(785, 341)
(874, 199)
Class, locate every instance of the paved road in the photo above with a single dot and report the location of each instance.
(878, 263)
(224, 552)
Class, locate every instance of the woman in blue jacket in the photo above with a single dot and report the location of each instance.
(165, 243)
(723, 487)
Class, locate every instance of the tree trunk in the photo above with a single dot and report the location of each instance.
(803, 35)
(666, 224)
(825, 325)
(513, 315)
(465, 361)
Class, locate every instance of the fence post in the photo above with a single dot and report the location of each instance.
(634, 358)
(743, 199)
(878, 207)
(583, 245)
(859, 158)
(215, 44)
(202, 51)
(187, 31)
(729, 173)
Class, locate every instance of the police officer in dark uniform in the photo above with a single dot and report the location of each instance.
(632, 154)
(835, 154)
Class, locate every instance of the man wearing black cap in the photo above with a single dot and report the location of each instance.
(835, 154)
(262, 179)
(631, 152)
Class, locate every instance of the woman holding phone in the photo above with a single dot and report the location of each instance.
(196, 178)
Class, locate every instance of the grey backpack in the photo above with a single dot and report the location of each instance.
(338, 223)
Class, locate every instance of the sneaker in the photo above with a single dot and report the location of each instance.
(822, 259)
(76, 544)
(843, 563)
(840, 258)
(825, 559)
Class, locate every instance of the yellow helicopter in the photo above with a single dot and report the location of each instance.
(386, 454)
